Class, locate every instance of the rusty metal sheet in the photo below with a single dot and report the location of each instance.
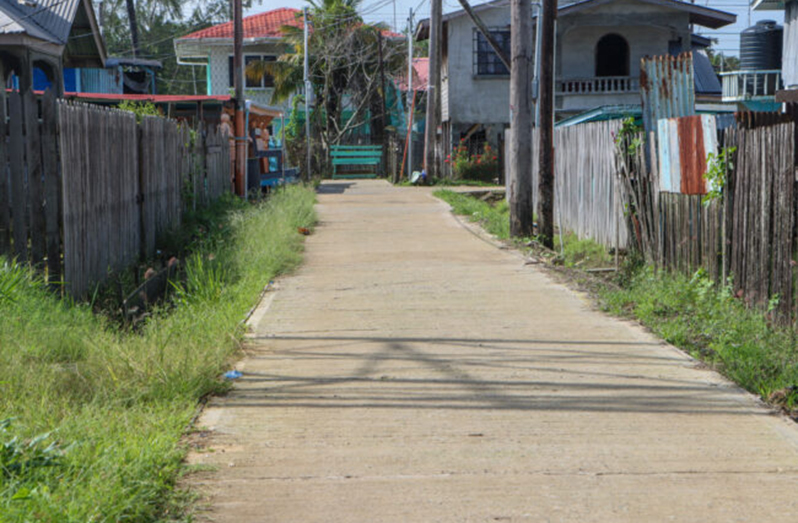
(684, 144)
(667, 88)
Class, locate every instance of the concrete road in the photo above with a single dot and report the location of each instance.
(413, 372)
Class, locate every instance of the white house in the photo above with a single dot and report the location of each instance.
(212, 48)
(598, 51)
(789, 58)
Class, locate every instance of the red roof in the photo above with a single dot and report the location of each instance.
(261, 25)
(420, 76)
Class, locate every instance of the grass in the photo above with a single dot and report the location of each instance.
(94, 413)
(707, 321)
(582, 253)
(495, 219)
(692, 313)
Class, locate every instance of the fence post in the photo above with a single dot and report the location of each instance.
(5, 201)
(19, 197)
(52, 186)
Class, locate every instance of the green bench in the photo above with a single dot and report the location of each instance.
(366, 157)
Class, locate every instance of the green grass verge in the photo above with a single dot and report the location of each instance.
(94, 413)
(495, 219)
(582, 253)
(711, 324)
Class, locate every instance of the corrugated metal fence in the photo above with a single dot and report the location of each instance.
(90, 187)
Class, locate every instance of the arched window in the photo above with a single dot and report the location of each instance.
(612, 56)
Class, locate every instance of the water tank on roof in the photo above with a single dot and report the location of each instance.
(760, 46)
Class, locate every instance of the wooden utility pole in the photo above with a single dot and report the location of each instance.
(521, 118)
(308, 87)
(411, 98)
(433, 90)
(238, 82)
(486, 33)
(546, 129)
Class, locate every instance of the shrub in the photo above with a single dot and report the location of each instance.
(482, 166)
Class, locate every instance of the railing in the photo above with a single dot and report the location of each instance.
(598, 85)
(746, 85)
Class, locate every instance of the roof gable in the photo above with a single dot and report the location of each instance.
(55, 21)
(704, 16)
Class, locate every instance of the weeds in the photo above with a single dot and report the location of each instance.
(495, 219)
(120, 401)
(711, 324)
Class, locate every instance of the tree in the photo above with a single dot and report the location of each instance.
(344, 68)
(721, 62)
(155, 24)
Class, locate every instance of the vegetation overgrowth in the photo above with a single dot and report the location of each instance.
(709, 322)
(92, 413)
(495, 219)
(693, 313)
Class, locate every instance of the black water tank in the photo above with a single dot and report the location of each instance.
(760, 46)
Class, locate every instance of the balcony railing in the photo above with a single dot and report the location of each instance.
(748, 85)
(598, 85)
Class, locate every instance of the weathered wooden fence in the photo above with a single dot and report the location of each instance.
(749, 233)
(586, 198)
(90, 188)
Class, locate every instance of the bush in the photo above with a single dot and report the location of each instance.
(483, 166)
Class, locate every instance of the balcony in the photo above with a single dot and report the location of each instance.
(598, 85)
(740, 86)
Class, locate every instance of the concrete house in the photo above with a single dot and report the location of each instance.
(789, 57)
(598, 51)
(212, 48)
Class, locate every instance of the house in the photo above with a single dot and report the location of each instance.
(598, 50)
(213, 48)
(43, 37)
(789, 57)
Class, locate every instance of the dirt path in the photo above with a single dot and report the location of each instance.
(411, 372)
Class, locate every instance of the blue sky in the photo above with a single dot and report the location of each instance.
(383, 11)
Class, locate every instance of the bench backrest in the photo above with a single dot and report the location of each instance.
(356, 151)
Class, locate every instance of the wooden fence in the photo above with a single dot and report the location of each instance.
(747, 235)
(586, 198)
(91, 188)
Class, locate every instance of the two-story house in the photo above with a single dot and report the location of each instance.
(789, 57)
(599, 44)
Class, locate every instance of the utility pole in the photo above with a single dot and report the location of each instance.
(238, 82)
(536, 81)
(546, 129)
(382, 86)
(305, 25)
(433, 90)
(410, 95)
(521, 118)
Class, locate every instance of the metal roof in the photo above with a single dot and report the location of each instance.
(67, 23)
(706, 81)
(704, 16)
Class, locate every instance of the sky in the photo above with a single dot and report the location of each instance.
(394, 13)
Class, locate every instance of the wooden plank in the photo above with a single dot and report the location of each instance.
(52, 186)
(33, 159)
(5, 188)
(19, 193)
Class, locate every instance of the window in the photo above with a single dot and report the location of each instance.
(266, 81)
(612, 56)
(486, 61)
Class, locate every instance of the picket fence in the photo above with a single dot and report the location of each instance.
(87, 190)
